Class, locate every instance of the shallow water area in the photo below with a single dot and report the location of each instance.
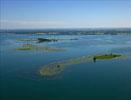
(80, 78)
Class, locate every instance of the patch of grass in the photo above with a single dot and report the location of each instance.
(107, 56)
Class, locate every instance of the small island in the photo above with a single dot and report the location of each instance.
(105, 56)
(40, 40)
(55, 68)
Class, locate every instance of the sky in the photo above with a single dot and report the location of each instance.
(40, 14)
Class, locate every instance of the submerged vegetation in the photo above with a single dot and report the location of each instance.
(30, 47)
(25, 40)
(52, 71)
(57, 67)
(27, 47)
(43, 40)
(38, 40)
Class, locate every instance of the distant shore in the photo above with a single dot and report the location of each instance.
(77, 31)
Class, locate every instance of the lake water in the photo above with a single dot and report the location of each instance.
(108, 79)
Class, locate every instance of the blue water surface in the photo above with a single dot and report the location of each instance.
(103, 80)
